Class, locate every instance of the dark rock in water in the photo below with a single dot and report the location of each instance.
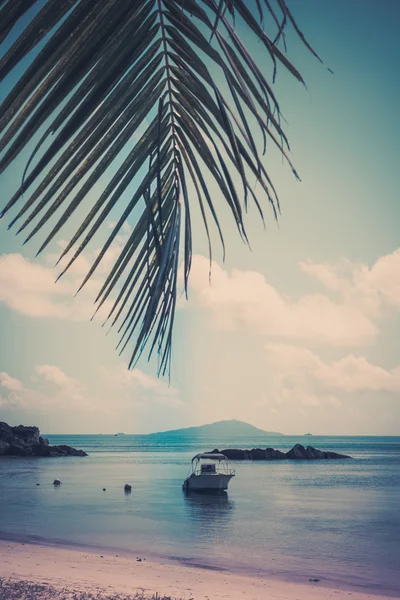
(127, 487)
(298, 452)
(62, 450)
(20, 439)
(57, 482)
(272, 454)
(4, 447)
(234, 454)
(27, 441)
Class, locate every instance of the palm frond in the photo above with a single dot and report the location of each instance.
(160, 97)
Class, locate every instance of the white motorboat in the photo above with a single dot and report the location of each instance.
(209, 473)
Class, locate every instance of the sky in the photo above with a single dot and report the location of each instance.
(302, 333)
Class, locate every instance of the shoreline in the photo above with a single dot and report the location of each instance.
(106, 571)
(270, 572)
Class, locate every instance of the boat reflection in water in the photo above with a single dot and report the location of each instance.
(208, 513)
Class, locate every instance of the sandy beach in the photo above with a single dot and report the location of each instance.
(111, 574)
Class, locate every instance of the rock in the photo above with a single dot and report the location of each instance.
(26, 436)
(254, 454)
(57, 482)
(257, 454)
(38, 484)
(127, 487)
(104, 489)
(64, 450)
(27, 441)
(4, 447)
(272, 454)
(334, 455)
(235, 454)
(20, 439)
(298, 452)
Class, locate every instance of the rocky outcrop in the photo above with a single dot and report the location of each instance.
(4, 447)
(254, 454)
(298, 452)
(27, 441)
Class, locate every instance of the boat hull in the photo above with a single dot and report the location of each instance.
(207, 483)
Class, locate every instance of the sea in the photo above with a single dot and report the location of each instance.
(337, 521)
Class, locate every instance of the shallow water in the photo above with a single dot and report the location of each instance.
(338, 521)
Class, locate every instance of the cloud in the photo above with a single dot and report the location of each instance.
(54, 375)
(138, 386)
(55, 383)
(9, 383)
(50, 387)
(115, 400)
(301, 375)
(374, 288)
(29, 288)
(12, 392)
(244, 299)
(348, 313)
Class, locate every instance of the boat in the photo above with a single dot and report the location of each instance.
(208, 473)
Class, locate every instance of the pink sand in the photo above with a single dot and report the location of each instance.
(89, 571)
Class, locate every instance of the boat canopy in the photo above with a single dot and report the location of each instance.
(210, 456)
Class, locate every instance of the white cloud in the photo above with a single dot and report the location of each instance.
(51, 389)
(302, 376)
(117, 400)
(62, 386)
(12, 392)
(357, 297)
(29, 288)
(244, 299)
(138, 386)
(374, 288)
(54, 375)
(9, 383)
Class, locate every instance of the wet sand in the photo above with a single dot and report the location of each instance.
(78, 573)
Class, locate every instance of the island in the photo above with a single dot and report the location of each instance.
(231, 427)
(298, 452)
(27, 441)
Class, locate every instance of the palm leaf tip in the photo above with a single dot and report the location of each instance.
(131, 94)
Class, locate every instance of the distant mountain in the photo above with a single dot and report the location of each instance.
(229, 428)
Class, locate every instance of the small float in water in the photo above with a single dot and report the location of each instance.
(209, 472)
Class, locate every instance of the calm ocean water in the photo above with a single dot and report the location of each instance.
(338, 521)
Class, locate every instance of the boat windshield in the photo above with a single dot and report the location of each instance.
(211, 464)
